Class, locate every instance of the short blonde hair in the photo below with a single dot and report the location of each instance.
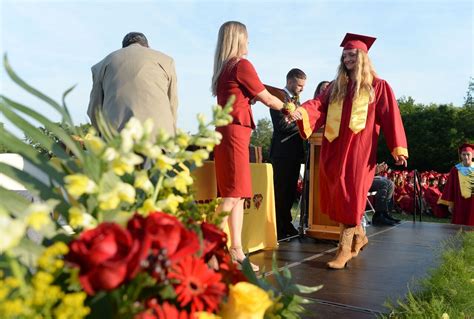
(364, 75)
(231, 43)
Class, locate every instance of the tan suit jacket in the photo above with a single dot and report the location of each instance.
(135, 82)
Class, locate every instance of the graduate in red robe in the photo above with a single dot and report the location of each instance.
(355, 106)
(458, 191)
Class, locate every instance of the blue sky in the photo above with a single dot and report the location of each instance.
(424, 48)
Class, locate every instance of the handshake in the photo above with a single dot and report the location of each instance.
(290, 112)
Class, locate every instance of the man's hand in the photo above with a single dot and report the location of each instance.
(294, 116)
(400, 160)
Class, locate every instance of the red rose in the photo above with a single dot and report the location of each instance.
(160, 233)
(102, 255)
(167, 232)
(214, 239)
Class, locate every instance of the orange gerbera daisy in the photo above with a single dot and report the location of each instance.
(197, 285)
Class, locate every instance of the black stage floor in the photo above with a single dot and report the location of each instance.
(393, 259)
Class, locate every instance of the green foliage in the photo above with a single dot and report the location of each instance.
(42, 149)
(262, 136)
(288, 303)
(3, 147)
(433, 132)
(449, 289)
(469, 99)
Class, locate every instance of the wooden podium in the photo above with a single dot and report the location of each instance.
(320, 226)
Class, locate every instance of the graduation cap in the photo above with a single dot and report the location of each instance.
(357, 41)
(466, 147)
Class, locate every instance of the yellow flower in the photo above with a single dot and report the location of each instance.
(149, 149)
(207, 142)
(170, 204)
(180, 182)
(142, 182)
(78, 184)
(182, 139)
(49, 260)
(12, 230)
(164, 163)
(13, 308)
(445, 316)
(198, 156)
(38, 216)
(201, 119)
(94, 143)
(246, 301)
(126, 193)
(148, 127)
(110, 154)
(126, 163)
(148, 207)
(78, 217)
(108, 201)
(72, 306)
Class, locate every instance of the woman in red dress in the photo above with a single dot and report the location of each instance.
(235, 76)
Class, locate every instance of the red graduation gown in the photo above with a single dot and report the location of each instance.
(463, 208)
(432, 195)
(347, 164)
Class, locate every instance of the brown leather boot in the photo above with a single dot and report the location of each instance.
(360, 241)
(344, 253)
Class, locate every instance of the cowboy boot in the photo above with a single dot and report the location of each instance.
(345, 246)
(360, 240)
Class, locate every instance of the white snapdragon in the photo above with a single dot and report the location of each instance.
(12, 230)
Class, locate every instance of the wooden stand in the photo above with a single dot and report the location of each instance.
(320, 226)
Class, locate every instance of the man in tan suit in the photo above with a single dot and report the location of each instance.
(135, 81)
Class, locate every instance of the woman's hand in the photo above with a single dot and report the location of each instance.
(294, 116)
(400, 160)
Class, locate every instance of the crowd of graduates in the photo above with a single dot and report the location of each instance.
(430, 186)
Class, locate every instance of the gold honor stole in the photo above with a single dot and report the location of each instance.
(358, 119)
(465, 184)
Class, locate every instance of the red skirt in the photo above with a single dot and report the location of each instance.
(232, 164)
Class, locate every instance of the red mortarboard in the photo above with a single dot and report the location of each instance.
(466, 147)
(357, 41)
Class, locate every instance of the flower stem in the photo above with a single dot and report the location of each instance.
(16, 271)
(157, 188)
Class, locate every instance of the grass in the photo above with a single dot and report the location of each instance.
(448, 291)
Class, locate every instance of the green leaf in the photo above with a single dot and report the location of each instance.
(28, 252)
(74, 129)
(33, 185)
(306, 289)
(13, 202)
(35, 92)
(63, 136)
(34, 132)
(33, 157)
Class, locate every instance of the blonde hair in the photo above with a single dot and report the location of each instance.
(231, 43)
(364, 74)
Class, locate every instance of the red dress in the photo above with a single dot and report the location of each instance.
(231, 157)
(347, 164)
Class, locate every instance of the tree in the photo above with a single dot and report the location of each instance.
(262, 136)
(469, 99)
(433, 132)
